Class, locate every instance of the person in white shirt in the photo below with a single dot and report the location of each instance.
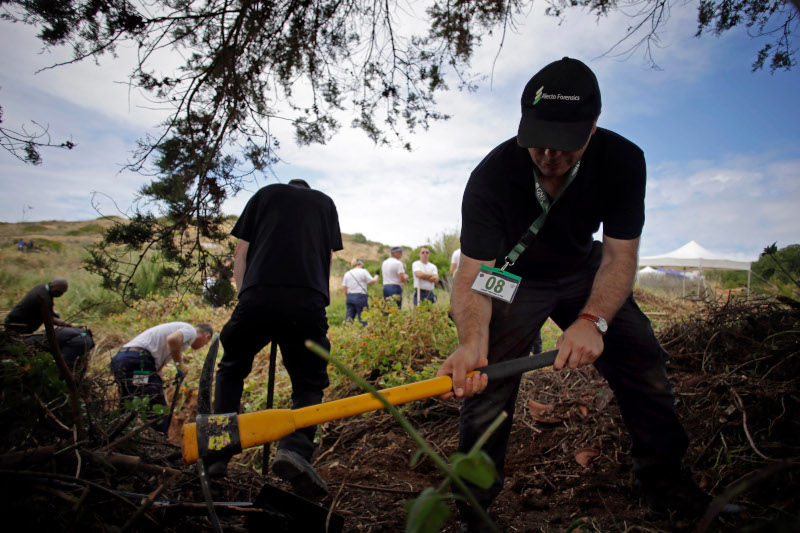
(426, 274)
(137, 365)
(394, 275)
(355, 283)
(455, 260)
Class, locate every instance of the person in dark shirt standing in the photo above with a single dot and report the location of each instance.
(287, 236)
(529, 212)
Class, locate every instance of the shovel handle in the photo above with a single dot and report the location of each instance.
(516, 367)
(261, 427)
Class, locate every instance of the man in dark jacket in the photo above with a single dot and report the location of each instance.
(287, 236)
(26, 317)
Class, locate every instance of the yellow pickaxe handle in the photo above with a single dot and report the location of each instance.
(270, 425)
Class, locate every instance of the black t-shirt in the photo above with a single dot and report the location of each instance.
(29, 310)
(500, 204)
(291, 231)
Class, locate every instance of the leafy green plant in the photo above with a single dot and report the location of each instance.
(27, 377)
(358, 237)
(398, 344)
(782, 267)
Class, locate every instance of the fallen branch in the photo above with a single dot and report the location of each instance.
(68, 377)
(740, 406)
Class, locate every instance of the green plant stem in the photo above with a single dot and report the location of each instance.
(410, 429)
(779, 333)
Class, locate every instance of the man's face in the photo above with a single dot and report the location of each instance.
(424, 254)
(58, 291)
(201, 340)
(397, 255)
(554, 163)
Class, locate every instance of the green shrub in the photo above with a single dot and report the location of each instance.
(47, 244)
(358, 237)
(337, 310)
(400, 346)
(32, 228)
(88, 229)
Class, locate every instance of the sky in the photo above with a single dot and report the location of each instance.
(721, 142)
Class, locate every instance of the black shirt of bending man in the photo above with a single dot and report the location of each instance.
(291, 231)
(26, 317)
(500, 204)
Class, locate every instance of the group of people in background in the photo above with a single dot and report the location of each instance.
(26, 246)
(138, 364)
(424, 273)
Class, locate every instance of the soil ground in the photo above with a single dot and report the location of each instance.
(734, 368)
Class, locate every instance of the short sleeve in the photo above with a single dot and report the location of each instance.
(623, 212)
(481, 222)
(189, 335)
(336, 233)
(246, 225)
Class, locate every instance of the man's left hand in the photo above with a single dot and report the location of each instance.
(580, 345)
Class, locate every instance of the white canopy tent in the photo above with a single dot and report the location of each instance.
(692, 255)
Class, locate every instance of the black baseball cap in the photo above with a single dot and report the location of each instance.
(559, 106)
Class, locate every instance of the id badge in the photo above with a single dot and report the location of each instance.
(496, 283)
(141, 377)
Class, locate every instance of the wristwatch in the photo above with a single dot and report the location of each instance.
(599, 322)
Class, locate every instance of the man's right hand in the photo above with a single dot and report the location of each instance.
(464, 360)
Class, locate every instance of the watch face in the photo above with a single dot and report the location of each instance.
(602, 325)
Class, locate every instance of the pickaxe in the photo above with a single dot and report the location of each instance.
(230, 433)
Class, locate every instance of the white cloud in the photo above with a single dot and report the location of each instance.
(738, 205)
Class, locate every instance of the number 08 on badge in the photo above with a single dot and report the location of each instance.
(496, 283)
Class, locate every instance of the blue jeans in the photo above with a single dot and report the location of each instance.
(390, 291)
(355, 304)
(424, 295)
(633, 363)
(124, 364)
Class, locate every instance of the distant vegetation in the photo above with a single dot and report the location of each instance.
(778, 270)
(88, 229)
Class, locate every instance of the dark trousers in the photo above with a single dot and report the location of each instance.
(394, 291)
(73, 343)
(633, 363)
(123, 366)
(424, 295)
(288, 317)
(355, 303)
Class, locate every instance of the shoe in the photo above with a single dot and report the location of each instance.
(294, 468)
(217, 470)
(672, 491)
(471, 522)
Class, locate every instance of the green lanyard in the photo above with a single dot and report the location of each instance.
(536, 226)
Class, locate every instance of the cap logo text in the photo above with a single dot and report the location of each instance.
(541, 95)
